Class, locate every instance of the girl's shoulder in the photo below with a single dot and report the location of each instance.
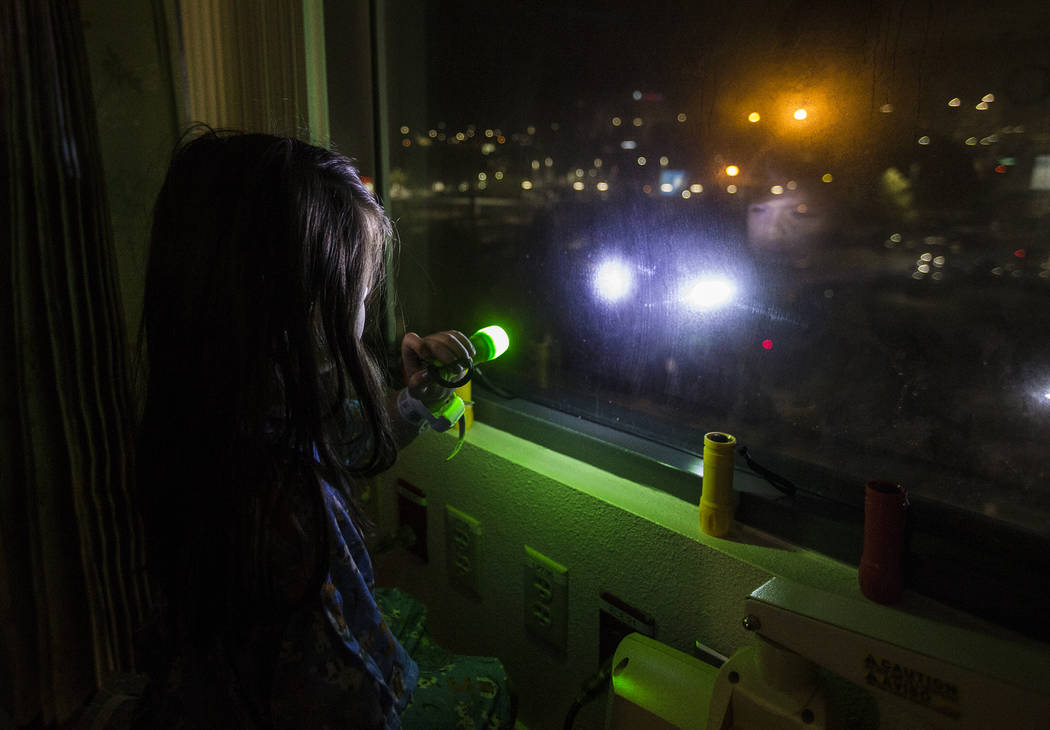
(296, 546)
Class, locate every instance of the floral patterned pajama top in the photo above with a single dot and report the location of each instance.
(340, 666)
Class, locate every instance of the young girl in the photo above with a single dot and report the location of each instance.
(264, 405)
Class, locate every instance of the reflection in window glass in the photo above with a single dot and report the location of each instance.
(822, 226)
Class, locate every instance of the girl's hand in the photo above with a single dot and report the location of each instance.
(419, 352)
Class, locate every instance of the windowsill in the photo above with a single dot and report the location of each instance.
(916, 620)
(669, 511)
(976, 566)
(824, 526)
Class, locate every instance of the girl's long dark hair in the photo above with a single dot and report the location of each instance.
(262, 251)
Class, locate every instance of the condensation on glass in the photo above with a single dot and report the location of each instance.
(823, 227)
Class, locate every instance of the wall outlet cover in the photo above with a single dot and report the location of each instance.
(463, 551)
(545, 584)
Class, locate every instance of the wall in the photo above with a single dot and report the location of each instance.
(348, 52)
(692, 593)
(127, 47)
(613, 535)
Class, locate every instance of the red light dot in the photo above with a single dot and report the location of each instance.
(767, 344)
(1020, 253)
(1001, 169)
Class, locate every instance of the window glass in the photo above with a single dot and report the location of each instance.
(822, 226)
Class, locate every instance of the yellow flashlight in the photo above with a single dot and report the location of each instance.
(716, 500)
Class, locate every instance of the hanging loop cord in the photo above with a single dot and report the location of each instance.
(437, 373)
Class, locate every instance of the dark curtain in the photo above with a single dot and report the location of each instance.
(71, 587)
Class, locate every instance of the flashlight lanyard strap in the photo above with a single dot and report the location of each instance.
(437, 373)
(443, 417)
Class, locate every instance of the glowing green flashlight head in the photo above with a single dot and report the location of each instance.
(490, 342)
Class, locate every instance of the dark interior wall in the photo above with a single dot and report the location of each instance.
(138, 125)
(348, 56)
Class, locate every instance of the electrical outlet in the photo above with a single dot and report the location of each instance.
(412, 518)
(463, 550)
(546, 591)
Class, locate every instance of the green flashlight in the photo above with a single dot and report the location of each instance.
(489, 343)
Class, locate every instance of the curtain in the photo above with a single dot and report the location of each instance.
(71, 587)
(258, 67)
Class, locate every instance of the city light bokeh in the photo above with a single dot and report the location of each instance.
(613, 280)
(709, 293)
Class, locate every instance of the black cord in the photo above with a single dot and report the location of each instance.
(778, 482)
(588, 692)
(496, 390)
(570, 717)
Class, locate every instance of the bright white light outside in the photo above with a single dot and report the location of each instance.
(709, 293)
(613, 280)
